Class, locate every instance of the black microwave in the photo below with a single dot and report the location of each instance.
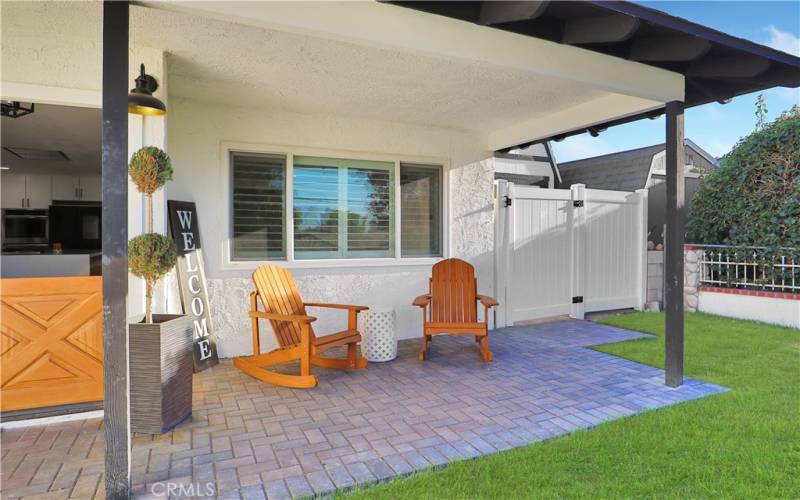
(25, 228)
(76, 225)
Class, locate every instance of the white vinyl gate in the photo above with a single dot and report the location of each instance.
(568, 251)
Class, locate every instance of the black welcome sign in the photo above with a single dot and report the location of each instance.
(192, 280)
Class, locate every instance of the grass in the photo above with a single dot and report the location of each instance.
(741, 444)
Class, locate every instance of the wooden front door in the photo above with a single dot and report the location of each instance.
(51, 341)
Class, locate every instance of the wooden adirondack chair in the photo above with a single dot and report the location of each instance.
(286, 312)
(451, 306)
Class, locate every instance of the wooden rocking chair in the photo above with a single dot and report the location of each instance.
(286, 312)
(451, 306)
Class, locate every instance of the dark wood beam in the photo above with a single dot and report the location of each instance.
(676, 24)
(728, 67)
(673, 254)
(115, 249)
(506, 12)
(710, 90)
(682, 48)
(606, 29)
(774, 76)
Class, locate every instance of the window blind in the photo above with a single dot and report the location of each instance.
(420, 210)
(259, 182)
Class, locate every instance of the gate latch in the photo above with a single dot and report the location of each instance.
(578, 299)
(507, 201)
(577, 203)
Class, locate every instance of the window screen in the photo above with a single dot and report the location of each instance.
(343, 208)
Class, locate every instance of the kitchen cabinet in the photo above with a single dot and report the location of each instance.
(40, 191)
(77, 187)
(91, 188)
(66, 187)
(13, 190)
(26, 191)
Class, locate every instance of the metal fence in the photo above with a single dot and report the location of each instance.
(750, 268)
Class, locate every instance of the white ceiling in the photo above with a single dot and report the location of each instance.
(75, 131)
(244, 65)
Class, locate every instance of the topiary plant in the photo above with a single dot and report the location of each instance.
(150, 168)
(150, 255)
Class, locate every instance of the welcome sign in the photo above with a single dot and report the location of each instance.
(192, 280)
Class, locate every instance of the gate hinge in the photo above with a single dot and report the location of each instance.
(507, 201)
(577, 203)
(578, 299)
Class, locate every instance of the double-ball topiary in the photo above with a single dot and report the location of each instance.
(150, 255)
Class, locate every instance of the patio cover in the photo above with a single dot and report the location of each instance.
(716, 66)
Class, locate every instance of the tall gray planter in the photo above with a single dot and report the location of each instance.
(160, 373)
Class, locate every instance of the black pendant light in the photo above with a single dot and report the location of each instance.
(141, 100)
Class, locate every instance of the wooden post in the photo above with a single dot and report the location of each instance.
(673, 253)
(115, 250)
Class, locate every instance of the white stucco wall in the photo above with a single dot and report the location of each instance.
(197, 131)
(773, 310)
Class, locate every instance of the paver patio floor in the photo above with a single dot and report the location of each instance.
(248, 439)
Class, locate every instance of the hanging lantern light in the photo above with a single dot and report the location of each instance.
(140, 98)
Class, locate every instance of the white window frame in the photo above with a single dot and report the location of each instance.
(228, 264)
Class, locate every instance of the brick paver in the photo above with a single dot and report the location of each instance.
(247, 439)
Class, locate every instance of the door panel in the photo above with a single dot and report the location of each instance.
(90, 188)
(40, 191)
(13, 190)
(66, 187)
(51, 342)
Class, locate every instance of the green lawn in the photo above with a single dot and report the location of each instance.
(741, 444)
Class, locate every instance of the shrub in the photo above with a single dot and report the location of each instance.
(753, 199)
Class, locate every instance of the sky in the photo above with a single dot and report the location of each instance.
(714, 127)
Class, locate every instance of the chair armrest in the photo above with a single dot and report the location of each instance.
(296, 318)
(422, 300)
(337, 306)
(487, 301)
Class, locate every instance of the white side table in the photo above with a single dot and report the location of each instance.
(379, 339)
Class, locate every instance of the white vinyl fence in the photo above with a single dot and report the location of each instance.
(568, 251)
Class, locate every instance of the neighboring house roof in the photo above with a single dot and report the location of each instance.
(623, 171)
(702, 152)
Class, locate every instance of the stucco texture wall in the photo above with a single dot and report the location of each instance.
(196, 133)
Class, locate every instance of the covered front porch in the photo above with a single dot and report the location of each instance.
(248, 439)
(371, 83)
